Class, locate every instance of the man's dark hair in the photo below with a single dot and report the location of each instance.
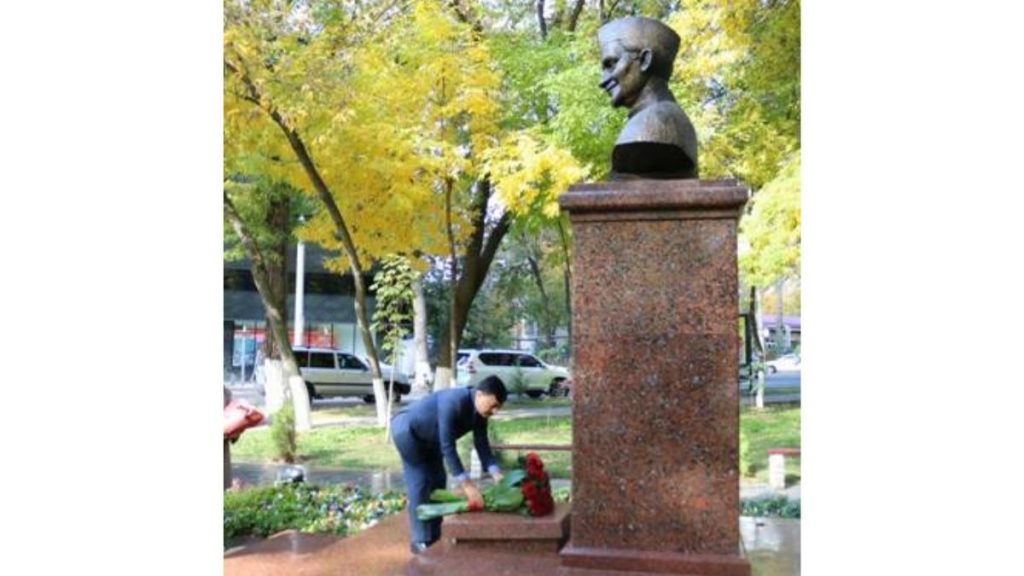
(495, 387)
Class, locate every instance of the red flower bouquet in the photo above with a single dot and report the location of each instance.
(536, 487)
(525, 491)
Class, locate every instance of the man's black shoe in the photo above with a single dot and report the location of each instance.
(417, 547)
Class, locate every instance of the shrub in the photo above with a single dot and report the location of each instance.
(770, 507)
(341, 509)
(559, 355)
(282, 432)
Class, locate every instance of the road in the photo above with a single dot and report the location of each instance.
(781, 387)
(782, 380)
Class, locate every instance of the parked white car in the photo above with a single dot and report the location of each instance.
(788, 362)
(515, 368)
(333, 374)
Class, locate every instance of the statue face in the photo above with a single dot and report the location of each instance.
(623, 73)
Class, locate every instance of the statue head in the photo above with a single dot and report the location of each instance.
(632, 51)
(659, 140)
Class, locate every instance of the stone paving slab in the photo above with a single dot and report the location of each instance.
(380, 550)
(772, 546)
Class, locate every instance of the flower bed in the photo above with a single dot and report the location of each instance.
(770, 507)
(341, 509)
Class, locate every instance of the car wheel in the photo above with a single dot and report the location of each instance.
(311, 392)
(557, 389)
(772, 369)
(369, 399)
(534, 393)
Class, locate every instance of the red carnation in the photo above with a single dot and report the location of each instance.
(529, 490)
(536, 487)
(534, 466)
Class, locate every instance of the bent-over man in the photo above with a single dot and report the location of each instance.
(425, 434)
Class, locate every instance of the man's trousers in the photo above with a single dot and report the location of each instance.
(423, 467)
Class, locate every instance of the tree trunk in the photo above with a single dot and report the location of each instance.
(297, 145)
(380, 398)
(547, 326)
(540, 20)
(419, 330)
(274, 383)
(478, 258)
(446, 366)
(567, 279)
(780, 336)
(275, 316)
(574, 16)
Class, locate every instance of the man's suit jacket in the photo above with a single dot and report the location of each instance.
(436, 421)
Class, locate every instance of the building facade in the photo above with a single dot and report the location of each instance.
(328, 311)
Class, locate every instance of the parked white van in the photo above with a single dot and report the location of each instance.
(332, 374)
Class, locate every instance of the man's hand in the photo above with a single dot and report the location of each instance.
(476, 500)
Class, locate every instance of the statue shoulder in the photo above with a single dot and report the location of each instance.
(663, 122)
(658, 139)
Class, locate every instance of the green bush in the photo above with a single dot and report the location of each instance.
(282, 432)
(770, 507)
(341, 509)
(559, 355)
(562, 495)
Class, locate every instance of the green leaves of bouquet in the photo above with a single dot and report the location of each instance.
(526, 491)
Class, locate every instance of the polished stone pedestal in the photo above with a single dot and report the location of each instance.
(655, 406)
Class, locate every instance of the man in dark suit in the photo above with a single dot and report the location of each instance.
(425, 434)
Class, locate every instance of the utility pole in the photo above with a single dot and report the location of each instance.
(300, 278)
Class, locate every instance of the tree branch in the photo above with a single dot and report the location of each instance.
(464, 16)
(574, 16)
(540, 20)
(251, 248)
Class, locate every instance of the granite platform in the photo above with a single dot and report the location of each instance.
(772, 546)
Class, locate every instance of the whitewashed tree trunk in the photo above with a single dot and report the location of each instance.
(300, 401)
(442, 378)
(391, 404)
(380, 395)
(420, 384)
(273, 387)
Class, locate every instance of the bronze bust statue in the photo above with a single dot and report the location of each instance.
(636, 62)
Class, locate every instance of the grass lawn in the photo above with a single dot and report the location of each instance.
(364, 447)
(348, 447)
(773, 427)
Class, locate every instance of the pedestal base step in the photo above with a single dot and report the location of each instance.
(584, 561)
(509, 532)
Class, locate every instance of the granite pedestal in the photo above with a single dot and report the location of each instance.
(656, 406)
